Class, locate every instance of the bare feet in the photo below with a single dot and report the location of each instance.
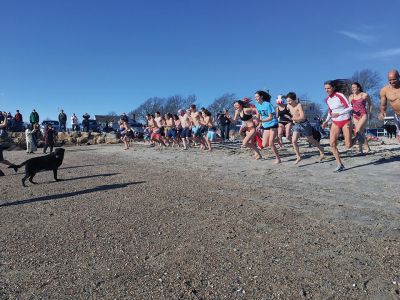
(277, 161)
(321, 156)
(297, 160)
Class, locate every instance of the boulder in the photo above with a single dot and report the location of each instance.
(111, 138)
(82, 140)
(100, 140)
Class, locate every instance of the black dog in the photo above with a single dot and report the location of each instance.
(48, 162)
(316, 134)
(390, 129)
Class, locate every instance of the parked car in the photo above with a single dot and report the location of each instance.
(55, 124)
(93, 126)
(136, 126)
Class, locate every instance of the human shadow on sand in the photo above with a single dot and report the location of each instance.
(99, 188)
(88, 176)
(375, 163)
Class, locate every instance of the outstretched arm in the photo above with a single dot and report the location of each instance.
(383, 105)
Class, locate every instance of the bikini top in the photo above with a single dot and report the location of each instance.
(282, 114)
(245, 117)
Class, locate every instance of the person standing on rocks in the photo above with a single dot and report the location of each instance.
(48, 139)
(3, 126)
(391, 93)
(85, 122)
(34, 117)
(62, 118)
(74, 122)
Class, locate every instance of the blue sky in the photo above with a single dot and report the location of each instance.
(101, 56)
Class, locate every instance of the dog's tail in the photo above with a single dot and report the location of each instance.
(16, 167)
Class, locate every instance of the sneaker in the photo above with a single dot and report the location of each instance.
(339, 168)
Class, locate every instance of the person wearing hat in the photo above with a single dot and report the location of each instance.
(285, 120)
(3, 126)
(48, 138)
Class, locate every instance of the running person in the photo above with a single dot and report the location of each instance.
(246, 115)
(211, 129)
(267, 116)
(391, 93)
(195, 118)
(339, 110)
(285, 121)
(301, 127)
(359, 100)
(186, 131)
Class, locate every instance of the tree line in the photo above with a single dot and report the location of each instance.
(370, 80)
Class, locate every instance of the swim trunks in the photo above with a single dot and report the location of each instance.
(196, 130)
(304, 128)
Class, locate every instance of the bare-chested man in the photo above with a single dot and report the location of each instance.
(391, 93)
(185, 123)
(301, 126)
(196, 125)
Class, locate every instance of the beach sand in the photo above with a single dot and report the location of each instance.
(174, 224)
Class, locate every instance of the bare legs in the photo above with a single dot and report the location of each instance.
(359, 128)
(248, 142)
(269, 141)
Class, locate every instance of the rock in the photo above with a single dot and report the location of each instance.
(111, 138)
(100, 140)
(82, 140)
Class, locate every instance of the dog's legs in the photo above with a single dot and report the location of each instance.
(25, 178)
(31, 178)
(55, 174)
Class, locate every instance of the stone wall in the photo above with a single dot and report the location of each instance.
(63, 138)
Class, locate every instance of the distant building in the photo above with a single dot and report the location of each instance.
(311, 109)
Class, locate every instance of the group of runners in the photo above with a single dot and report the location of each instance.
(264, 125)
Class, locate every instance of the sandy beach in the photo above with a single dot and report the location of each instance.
(174, 224)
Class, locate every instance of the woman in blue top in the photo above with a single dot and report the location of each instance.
(269, 122)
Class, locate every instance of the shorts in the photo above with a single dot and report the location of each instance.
(304, 128)
(186, 133)
(155, 136)
(270, 127)
(196, 131)
(341, 124)
(211, 135)
(171, 133)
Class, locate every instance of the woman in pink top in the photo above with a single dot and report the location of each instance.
(359, 100)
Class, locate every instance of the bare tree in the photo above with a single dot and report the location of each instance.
(225, 101)
(150, 106)
(370, 81)
(112, 113)
(163, 105)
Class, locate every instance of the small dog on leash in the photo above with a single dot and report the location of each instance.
(48, 162)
